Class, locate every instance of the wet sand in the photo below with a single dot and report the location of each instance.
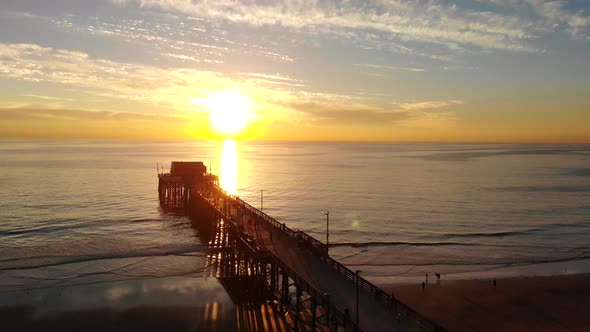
(208, 318)
(554, 303)
(140, 318)
(175, 304)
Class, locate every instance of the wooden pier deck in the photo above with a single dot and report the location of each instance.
(303, 262)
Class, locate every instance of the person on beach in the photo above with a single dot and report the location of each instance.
(494, 281)
(423, 284)
(426, 277)
(437, 278)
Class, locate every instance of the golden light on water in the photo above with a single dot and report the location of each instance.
(230, 111)
(228, 168)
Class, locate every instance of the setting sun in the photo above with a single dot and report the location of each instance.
(230, 111)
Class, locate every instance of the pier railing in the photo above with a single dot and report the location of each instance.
(321, 250)
(335, 313)
(332, 311)
(381, 296)
(303, 238)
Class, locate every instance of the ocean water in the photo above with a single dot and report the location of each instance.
(86, 212)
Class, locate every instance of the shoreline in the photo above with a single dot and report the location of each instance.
(402, 275)
(461, 302)
(516, 303)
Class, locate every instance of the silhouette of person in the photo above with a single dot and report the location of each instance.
(423, 284)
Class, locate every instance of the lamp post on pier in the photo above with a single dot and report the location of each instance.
(261, 200)
(357, 298)
(327, 231)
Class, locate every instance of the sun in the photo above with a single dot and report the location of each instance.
(230, 111)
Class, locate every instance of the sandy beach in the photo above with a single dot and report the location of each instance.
(552, 303)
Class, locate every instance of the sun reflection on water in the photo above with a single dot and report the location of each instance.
(228, 168)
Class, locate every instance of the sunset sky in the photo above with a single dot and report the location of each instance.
(463, 70)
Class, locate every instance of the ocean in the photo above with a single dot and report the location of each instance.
(87, 213)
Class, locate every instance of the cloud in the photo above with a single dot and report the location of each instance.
(351, 110)
(102, 77)
(276, 77)
(43, 64)
(52, 98)
(44, 113)
(551, 15)
(349, 114)
(428, 105)
(388, 67)
(185, 39)
(434, 22)
(272, 80)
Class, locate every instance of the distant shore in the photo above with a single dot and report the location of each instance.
(536, 303)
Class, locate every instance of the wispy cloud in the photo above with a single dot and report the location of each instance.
(434, 22)
(31, 62)
(360, 114)
(52, 98)
(276, 77)
(350, 110)
(112, 79)
(185, 39)
(388, 67)
(272, 80)
(428, 105)
(552, 13)
(44, 113)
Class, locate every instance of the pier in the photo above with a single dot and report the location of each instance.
(261, 260)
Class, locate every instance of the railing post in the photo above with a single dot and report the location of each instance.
(327, 308)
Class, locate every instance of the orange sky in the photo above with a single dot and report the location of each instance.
(504, 71)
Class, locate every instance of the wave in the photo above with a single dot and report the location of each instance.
(494, 264)
(544, 188)
(492, 234)
(397, 243)
(55, 260)
(579, 172)
(65, 225)
(118, 277)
